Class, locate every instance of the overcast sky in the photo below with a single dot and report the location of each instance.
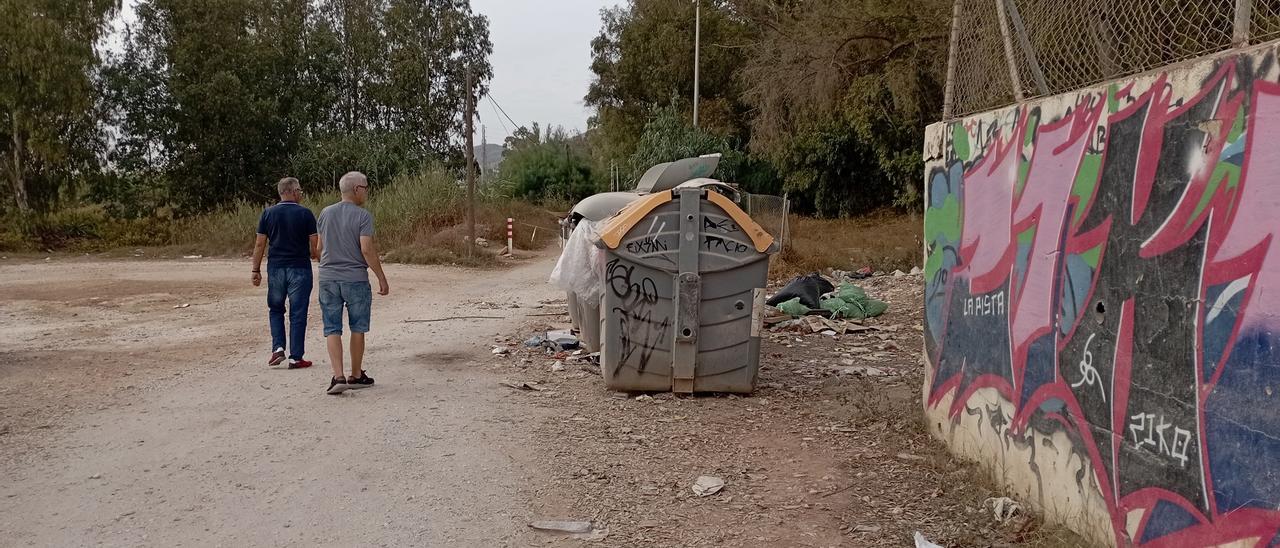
(541, 61)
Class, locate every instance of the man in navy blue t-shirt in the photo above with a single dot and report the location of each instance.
(291, 230)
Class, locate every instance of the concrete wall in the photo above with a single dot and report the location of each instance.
(1103, 302)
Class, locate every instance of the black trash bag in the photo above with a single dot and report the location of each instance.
(808, 288)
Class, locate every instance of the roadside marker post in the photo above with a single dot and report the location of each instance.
(510, 234)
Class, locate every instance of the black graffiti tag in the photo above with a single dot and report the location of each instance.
(646, 245)
(725, 225)
(638, 323)
(729, 246)
(631, 294)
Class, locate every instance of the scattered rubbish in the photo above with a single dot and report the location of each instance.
(535, 341)
(863, 370)
(915, 271)
(909, 456)
(922, 542)
(898, 273)
(807, 288)
(183, 305)
(707, 486)
(560, 341)
(558, 366)
(865, 529)
(645, 397)
(857, 305)
(193, 256)
(527, 386)
(772, 315)
(794, 307)
(1003, 508)
(482, 242)
(96, 476)
(576, 527)
(501, 350)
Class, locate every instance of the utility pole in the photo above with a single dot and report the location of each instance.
(484, 151)
(697, 44)
(471, 177)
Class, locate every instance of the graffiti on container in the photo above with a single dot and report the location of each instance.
(712, 243)
(639, 333)
(723, 225)
(646, 245)
(642, 292)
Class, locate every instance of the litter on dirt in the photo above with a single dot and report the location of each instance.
(527, 386)
(575, 527)
(707, 486)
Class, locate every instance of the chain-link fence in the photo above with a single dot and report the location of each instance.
(770, 212)
(1004, 51)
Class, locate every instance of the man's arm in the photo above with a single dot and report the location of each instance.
(370, 252)
(259, 249)
(315, 247)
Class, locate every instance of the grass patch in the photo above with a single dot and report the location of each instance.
(884, 241)
(418, 219)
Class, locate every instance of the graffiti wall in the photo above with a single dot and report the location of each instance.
(1103, 302)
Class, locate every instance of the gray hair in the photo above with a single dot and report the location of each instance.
(286, 184)
(348, 183)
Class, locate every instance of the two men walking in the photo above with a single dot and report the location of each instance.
(342, 240)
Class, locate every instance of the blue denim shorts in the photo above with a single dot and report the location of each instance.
(356, 296)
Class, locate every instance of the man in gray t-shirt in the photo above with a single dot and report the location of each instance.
(347, 252)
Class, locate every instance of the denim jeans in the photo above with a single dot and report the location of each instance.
(295, 285)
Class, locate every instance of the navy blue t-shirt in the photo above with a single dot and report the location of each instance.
(288, 227)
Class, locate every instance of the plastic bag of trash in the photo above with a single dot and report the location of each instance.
(858, 306)
(580, 269)
(808, 289)
(794, 307)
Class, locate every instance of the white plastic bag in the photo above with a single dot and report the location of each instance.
(580, 269)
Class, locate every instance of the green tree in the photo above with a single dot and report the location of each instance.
(48, 134)
(841, 91)
(643, 59)
(551, 165)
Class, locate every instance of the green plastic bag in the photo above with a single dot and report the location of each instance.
(793, 307)
(858, 306)
(850, 293)
(838, 307)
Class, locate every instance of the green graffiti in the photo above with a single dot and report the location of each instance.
(1091, 257)
(1086, 181)
(960, 142)
(1224, 171)
(941, 227)
(1113, 104)
(943, 223)
(1238, 127)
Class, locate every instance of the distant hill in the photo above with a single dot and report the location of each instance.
(492, 156)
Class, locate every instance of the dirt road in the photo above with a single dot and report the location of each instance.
(128, 418)
(129, 422)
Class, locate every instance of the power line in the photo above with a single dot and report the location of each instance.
(495, 115)
(504, 113)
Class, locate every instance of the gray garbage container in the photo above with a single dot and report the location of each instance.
(684, 288)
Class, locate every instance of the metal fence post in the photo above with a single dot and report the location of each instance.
(1014, 77)
(1244, 14)
(949, 92)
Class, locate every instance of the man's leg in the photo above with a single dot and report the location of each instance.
(331, 314)
(335, 353)
(359, 298)
(277, 289)
(299, 303)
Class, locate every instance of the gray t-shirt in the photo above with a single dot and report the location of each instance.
(340, 226)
